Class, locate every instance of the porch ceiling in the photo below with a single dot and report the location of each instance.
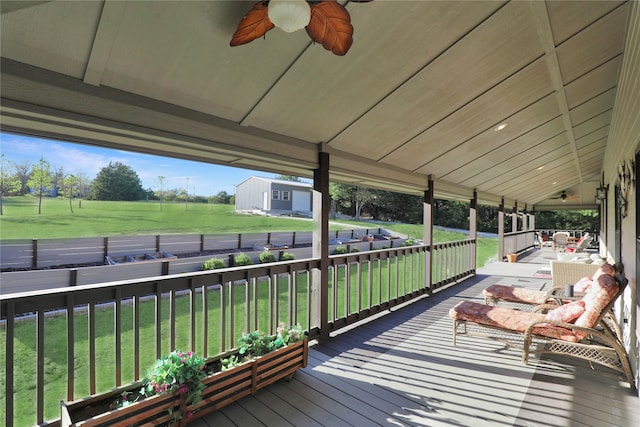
(419, 94)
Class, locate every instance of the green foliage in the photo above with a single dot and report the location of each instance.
(408, 242)
(585, 220)
(182, 372)
(117, 182)
(213, 264)
(340, 250)
(288, 178)
(222, 198)
(355, 249)
(255, 344)
(287, 256)
(242, 259)
(40, 181)
(266, 257)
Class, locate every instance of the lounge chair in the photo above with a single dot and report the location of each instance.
(581, 246)
(576, 329)
(578, 275)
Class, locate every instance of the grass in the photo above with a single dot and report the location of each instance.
(97, 218)
(55, 337)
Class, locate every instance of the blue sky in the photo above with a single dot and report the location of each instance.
(204, 179)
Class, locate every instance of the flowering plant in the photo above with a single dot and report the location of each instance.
(179, 371)
(256, 343)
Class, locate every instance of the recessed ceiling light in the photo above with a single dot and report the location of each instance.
(540, 168)
(500, 127)
(554, 182)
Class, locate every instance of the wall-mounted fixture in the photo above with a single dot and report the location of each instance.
(601, 193)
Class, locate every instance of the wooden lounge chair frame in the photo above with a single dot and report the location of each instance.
(602, 344)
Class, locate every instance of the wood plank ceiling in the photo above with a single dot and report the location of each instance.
(419, 94)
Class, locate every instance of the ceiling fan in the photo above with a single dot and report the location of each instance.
(326, 21)
(562, 196)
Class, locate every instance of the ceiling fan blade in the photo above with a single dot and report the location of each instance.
(330, 25)
(253, 25)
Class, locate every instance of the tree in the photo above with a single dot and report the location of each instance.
(8, 183)
(73, 186)
(117, 182)
(23, 173)
(351, 199)
(40, 181)
(288, 178)
(222, 198)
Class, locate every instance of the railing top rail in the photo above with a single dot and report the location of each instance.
(52, 299)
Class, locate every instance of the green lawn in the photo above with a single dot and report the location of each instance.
(95, 218)
(98, 218)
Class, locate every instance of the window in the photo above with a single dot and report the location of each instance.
(275, 195)
(285, 195)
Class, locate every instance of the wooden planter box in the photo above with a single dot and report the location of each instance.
(221, 389)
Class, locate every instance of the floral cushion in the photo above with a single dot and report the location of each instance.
(582, 285)
(508, 319)
(511, 293)
(605, 268)
(596, 300)
(567, 312)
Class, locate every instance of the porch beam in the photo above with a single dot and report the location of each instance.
(473, 229)
(427, 221)
(320, 292)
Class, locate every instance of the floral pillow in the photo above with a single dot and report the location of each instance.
(567, 312)
(605, 268)
(596, 300)
(582, 285)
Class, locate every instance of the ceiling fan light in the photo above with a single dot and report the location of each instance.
(289, 15)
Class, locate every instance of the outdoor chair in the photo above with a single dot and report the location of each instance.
(582, 277)
(581, 246)
(538, 300)
(560, 239)
(576, 329)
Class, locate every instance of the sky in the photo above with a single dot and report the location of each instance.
(203, 179)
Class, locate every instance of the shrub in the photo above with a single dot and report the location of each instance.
(354, 249)
(408, 242)
(266, 257)
(242, 259)
(213, 264)
(287, 256)
(339, 250)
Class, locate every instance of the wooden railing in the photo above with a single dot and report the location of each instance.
(519, 241)
(105, 335)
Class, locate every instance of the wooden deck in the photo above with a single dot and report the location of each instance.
(402, 370)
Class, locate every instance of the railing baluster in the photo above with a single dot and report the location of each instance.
(247, 303)
(254, 287)
(231, 313)
(9, 361)
(40, 333)
(205, 321)
(172, 320)
(158, 320)
(70, 348)
(223, 315)
(192, 315)
(117, 314)
(136, 337)
(91, 319)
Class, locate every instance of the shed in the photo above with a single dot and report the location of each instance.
(273, 196)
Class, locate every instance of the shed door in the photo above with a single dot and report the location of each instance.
(301, 201)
